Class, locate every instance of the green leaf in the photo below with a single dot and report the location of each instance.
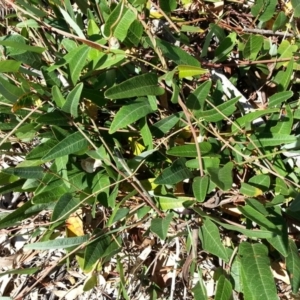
(112, 20)
(51, 195)
(293, 264)
(142, 85)
(257, 217)
(160, 226)
(26, 271)
(25, 172)
(296, 7)
(280, 21)
(199, 290)
(9, 66)
(54, 118)
(211, 240)
(189, 71)
(72, 101)
(285, 123)
(264, 9)
(223, 289)
(77, 60)
(280, 241)
(64, 207)
(101, 247)
(10, 91)
(249, 190)
(57, 96)
(268, 140)
(196, 99)
(248, 118)
(253, 46)
(90, 282)
(283, 78)
(21, 46)
(169, 202)
(123, 25)
(256, 267)
(175, 173)
(129, 113)
(71, 144)
(176, 54)
(135, 33)
(279, 98)
(222, 177)
(161, 127)
(58, 243)
(286, 50)
(225, 48)
(261, 181)
(72, 23)
(235, 273)
(190, 150)
(39, 151)
(12, 187)
(200, 187)
(168, 5)
(217, 114)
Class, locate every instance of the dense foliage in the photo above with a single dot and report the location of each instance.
(159, 138)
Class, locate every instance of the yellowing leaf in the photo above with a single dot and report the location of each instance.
(74, 226)
(189, 71)
(136, 147)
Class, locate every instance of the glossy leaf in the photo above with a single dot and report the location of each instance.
(175, 173)
(196, 99)
(76, 61)
(123, 25)
(280, 241)
(253, 46)
(176, 54)
(72, 101)
(129, 113)
(279, 98)
(71, 144)
(170, 202)
(271, 140)
(190, 150)
(142, 85)
(258, 218)
(164, 125)
(200, 187)
(249, 118)
(225, 47)
(72, 23)
(189, 71)
(217, 114)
